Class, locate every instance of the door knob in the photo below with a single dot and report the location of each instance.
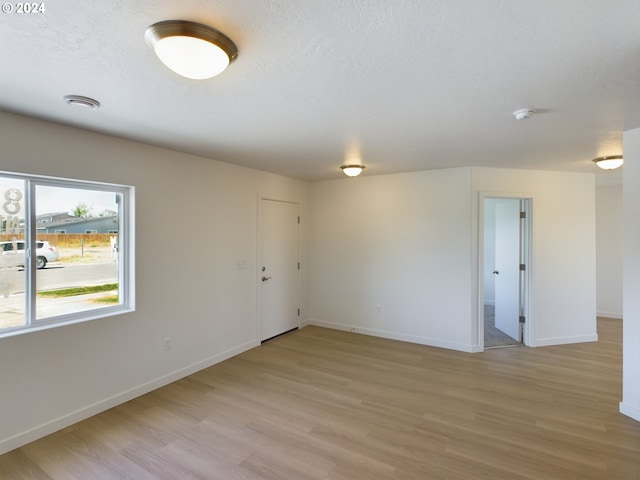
(264, 279)
(496, 272)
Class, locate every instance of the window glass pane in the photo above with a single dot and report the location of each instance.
(77, 270)
(80, 266)
(12, 276)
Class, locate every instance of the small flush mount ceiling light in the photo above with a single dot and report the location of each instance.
(352, 170)
(610, 162)
(190, 49)
(82, 102)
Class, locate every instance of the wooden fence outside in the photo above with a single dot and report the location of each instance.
(67, 239)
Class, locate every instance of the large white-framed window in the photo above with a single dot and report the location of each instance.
(49, 278)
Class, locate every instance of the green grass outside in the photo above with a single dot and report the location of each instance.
(107, 299)
(70, 292)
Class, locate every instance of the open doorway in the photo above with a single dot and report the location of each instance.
(505, 271)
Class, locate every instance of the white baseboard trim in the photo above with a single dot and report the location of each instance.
(609, 315)
(397, 336)
(630, 411)
(16, 441)
(547, 342)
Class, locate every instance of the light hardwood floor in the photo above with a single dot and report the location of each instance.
(324, 404)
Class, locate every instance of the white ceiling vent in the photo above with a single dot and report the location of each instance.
(82, 102)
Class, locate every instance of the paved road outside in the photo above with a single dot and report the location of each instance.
(97, 268)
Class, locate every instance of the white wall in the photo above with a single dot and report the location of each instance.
(563, 289)
(398, 241)
(630, 404)
(409, 243)
(196, 218)
(609, 250)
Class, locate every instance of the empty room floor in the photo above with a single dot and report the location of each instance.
(325, 404)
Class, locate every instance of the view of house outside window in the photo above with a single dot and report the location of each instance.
(77, 234)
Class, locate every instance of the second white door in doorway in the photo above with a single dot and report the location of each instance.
(507, 267)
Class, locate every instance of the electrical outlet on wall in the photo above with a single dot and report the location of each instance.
(167, 344)
(378, 310)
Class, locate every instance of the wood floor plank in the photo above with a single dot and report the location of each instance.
(330, 405)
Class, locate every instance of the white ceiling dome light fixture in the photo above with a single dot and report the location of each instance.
(191, 49)
(610, 162)
(352, 170)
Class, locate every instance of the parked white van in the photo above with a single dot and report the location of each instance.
(13, 254)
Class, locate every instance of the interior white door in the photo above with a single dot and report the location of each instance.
(507, 268)
(278, 268)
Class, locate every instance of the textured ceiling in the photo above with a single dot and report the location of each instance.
(405, 84)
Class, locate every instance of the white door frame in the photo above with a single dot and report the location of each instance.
(272, 198)
(526, 289)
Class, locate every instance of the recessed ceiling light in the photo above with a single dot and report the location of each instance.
(82, 102)
(190, 49)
